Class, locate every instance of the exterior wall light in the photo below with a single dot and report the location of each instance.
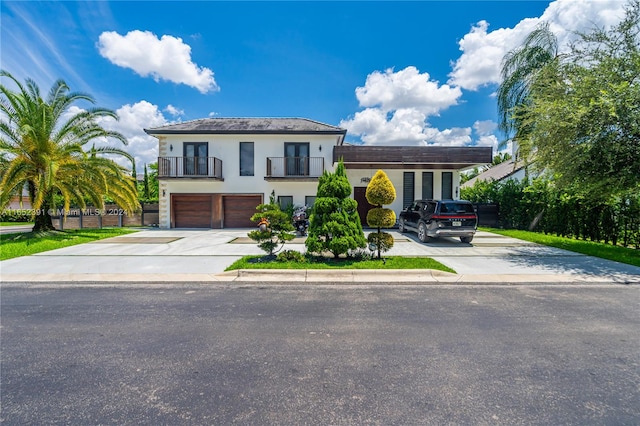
(171, 147)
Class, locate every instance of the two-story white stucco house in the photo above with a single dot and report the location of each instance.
(215, 171)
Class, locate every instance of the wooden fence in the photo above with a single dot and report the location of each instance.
(111, 215)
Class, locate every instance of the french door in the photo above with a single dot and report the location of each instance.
(195, 158)
(296, 158)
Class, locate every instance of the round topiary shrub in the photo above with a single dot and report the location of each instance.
(382, 240)
(381, 217)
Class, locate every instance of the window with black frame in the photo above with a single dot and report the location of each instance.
(285, 201)
(296, 158)
(195, 158)
(246, 159)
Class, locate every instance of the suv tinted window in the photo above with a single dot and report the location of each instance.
(452, 208)
(430, 208)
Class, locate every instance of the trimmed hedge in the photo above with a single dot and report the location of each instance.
(541, 206)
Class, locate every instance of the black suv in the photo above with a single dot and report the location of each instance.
(435, 218)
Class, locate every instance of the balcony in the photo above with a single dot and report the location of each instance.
(301, 169)
(190, 168)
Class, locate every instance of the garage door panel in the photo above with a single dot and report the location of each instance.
(239, 209)
(192, 211)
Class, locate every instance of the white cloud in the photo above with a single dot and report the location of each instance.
(483, 50)
(485, 127)
(484, 132)
(165, 58)
(407, 88)
(176, 112)
(397, 106)
(132, 119)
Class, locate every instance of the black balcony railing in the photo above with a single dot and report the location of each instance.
(190, 167)
(295, 167)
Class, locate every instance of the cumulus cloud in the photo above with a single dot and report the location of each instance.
(397, 105)
(132, 119)
(165, 58)
(484, 132)
(407, 88)
(483, 50)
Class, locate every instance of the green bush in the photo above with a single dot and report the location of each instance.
(542, 206)
(290, 256)
(379, 217)
(334, 224)
(278, 229)
(382, 240)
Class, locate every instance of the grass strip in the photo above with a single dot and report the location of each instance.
(604, 251)
(16, 223)
(392, 262)
(24, 244)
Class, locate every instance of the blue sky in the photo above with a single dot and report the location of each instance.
(392, 73)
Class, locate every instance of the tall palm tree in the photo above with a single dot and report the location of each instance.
(43, 147)
(520, 69)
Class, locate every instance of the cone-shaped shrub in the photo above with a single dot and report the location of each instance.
(334, 224)
(380, 190)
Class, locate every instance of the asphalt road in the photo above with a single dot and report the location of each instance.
(318, 355)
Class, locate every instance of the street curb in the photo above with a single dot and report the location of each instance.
(324, 276)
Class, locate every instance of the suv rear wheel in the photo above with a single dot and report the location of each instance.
(401, 227)
(422, 233)
(466, 240)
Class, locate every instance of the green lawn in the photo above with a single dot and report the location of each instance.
(16, 245)
(393, 262)
(15, 223)
(604, 251)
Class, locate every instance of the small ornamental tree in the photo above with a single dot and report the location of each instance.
(276, 229)
(334, 222)
(380, 191)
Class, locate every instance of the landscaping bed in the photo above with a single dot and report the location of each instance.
(321, 262)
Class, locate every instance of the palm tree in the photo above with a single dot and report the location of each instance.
(520, 69)
(43, 148)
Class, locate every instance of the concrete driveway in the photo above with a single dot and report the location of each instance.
(200, 255)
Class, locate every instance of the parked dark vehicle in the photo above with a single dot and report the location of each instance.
(435, 218)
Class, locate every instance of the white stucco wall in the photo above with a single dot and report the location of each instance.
(227, 149)
(397, 175)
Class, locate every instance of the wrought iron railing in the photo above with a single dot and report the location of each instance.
(189, 167)
(295, 167)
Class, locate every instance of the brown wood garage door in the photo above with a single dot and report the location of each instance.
(192, 211)
(238, 210)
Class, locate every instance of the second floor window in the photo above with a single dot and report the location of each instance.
(246, 159)
(297, 158)
(195, 158)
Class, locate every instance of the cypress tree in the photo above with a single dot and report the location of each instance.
(334, 222)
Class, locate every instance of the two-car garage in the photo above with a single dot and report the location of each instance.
(213, 210)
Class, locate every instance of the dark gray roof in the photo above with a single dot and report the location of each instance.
(411, 157)
(248, 126)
